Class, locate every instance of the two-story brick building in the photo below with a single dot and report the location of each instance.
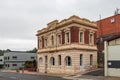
(107, 28)
(67, 46)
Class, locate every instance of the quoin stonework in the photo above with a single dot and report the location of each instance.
(68, 46)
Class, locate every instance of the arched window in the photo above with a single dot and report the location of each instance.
(52, 61)
(68, 61)
(41, 60)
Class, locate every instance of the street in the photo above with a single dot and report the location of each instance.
(17, 76)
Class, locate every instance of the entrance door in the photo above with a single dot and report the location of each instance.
(46, 65)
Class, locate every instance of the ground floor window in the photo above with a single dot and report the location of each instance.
(59, 59)
(91, 59)
(68, 61)
(41, 60)
(52, 61)
(81, 59)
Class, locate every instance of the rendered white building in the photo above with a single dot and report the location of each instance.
(17, 59)
(112, 57)
(1, 61)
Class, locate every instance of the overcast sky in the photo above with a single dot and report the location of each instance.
(20, 19)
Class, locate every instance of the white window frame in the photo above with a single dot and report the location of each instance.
(41, 60)
(52, 61)
(59, 39)
(66, 37)
(45, 42)
(91, 59)
(52, 41)
(91, 42)
(40, 43)
(82, 37)
(67, 62)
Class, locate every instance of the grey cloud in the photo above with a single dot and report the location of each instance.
(20, 19)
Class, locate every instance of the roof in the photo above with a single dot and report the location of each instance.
(73, 19)
(113, 37)
(19, 52)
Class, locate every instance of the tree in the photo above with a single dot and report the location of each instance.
(32, 51)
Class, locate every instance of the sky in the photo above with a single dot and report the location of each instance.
(20, 19)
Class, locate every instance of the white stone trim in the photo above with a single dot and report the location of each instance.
(91, 43)
(67, 31)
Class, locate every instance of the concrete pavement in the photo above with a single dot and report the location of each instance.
(87, 76)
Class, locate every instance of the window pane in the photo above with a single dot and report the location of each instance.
(91, 59)
(81, 59)
(81, 36)
(67, 37)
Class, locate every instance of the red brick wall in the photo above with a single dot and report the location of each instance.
(74, 34)
(86, 36)
(106, 27)
(95, 36)
(63, 37)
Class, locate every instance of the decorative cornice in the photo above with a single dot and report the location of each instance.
(68, 47)
(73, 19)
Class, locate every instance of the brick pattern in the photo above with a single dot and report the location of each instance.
(106, 27)
(74, 34)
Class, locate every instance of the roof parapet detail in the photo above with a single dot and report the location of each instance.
(73, 19)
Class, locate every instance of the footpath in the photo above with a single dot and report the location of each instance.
(79, 76)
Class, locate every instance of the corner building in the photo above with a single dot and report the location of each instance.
(68, 46)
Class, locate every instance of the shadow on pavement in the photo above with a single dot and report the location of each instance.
(96, 73)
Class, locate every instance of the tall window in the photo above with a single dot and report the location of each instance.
(59, 39)
(59, 59)
(52, 61)
(40, 44)
(40, 60)
(52, 40)
(91, 59)
(81, 37)
(45, 42)
(68, 61)
(67, 37)
(81, 59)
(91, 38)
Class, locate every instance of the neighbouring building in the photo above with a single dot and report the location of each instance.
(1, 61)
(107, 28)
(112, 56)
(17, 59)
(68, 46)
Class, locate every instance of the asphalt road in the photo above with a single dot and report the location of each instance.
(96, 73)
(17, 76)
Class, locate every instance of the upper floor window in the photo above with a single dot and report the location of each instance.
(45, 42)
(81, 37)
(52, 40)
(40, 45)
(59, 39)
(32, 57)
(14, 57)
(91, 38)
(67, 37)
